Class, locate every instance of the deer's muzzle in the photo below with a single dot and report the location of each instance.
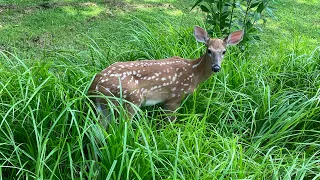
(216, 68)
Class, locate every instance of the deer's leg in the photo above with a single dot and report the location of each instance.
(104, 116)
(130, 110)
(101, 106)
(171, 106)
(135, 100)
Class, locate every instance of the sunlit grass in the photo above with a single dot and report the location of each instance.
(87, 10)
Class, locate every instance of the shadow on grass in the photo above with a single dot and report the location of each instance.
(34, 26)
(301, 18)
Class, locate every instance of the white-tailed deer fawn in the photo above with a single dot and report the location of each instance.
(149, 82)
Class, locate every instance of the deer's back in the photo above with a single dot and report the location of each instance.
(147, 79)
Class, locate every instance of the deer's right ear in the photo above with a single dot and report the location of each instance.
(200, 34)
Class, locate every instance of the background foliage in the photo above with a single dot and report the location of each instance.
(223, 16)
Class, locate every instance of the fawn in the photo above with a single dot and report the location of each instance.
(148, 82)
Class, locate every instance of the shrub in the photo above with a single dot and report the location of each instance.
(226, 15)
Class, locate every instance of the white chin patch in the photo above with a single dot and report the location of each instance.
(152, 102)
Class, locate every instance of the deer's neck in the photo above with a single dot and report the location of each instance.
(201, 69)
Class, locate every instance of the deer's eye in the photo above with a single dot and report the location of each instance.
(223, 52)
(209, 51)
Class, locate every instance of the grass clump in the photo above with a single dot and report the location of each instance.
(257, 119)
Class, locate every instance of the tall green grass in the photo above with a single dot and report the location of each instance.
(257, 119)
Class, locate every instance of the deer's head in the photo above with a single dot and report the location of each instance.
(216, 48)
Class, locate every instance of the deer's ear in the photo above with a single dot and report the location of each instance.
(234, 38)
(200, 34)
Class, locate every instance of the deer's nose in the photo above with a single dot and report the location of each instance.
(216, 68)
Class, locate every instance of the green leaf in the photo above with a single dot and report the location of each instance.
(257, 16)
(259, 29)
(260, 7)
(199, 1)
(248, 25)
(219, 5)
(270, 13)
(237, 4)
(264, 20)
(228, 4)
(254, 5)
(224, 16)
(204, 8)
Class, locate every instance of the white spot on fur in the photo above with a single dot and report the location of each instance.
(134, 91)
(174, 77)
(115, 75)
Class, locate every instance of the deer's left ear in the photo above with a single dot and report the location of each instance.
(234, 38)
